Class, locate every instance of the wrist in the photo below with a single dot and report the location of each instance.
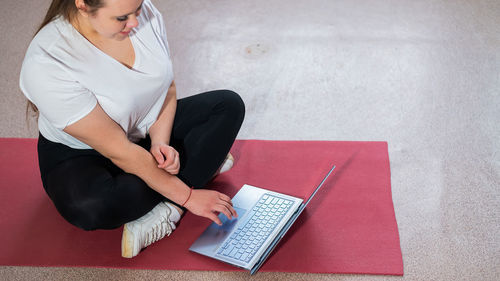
(188, 197)
(156, 144)
(158, 141)
(159, 134)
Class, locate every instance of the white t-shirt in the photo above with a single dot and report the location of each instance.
(65, 76)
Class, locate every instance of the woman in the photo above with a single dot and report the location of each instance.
(116, 147)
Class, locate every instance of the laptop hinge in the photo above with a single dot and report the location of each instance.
(277, 239)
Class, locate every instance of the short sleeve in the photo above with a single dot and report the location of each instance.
(157, 23)
(58, 97)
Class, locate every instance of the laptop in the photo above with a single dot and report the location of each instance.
(264, 217)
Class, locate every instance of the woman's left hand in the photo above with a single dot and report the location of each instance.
(167, 157)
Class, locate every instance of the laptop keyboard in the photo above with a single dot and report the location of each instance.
(247, 239)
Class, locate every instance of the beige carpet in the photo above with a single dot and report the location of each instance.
(422, 75)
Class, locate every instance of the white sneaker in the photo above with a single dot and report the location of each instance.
(227, 164)
(151, 227)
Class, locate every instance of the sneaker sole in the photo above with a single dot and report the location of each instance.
(127, 247)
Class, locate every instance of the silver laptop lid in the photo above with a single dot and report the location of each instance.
(288, 225)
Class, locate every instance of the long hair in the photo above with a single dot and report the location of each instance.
(68, 10)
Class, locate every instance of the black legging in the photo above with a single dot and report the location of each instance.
(91, 192)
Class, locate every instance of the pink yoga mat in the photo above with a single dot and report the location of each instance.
(349, 227)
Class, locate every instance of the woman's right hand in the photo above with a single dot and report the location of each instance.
(208, 203)
(166, 156)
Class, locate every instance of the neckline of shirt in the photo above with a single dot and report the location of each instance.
(132, 36)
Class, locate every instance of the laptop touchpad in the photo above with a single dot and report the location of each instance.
(215, 234)
(227, 224)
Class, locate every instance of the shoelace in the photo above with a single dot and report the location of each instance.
(158, 231)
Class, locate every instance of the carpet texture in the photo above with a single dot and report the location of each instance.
(349, 227)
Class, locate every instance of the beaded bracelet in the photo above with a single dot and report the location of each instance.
(189, 196)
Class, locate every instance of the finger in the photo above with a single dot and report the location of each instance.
(232, 210)
(170, 157)
(166, 153)
(177, 159)
(173, 161)
(158, 156)
(174, 167)
(176, 170)
(172, 153)
(223, 209)
(225, 198)
(173, 171)
(177, 162)
(161, 154)
(214, 218)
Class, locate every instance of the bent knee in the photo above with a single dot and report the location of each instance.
(84, 215)
(233, 103)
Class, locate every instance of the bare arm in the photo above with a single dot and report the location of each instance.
(160, 131)
(100, 132)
